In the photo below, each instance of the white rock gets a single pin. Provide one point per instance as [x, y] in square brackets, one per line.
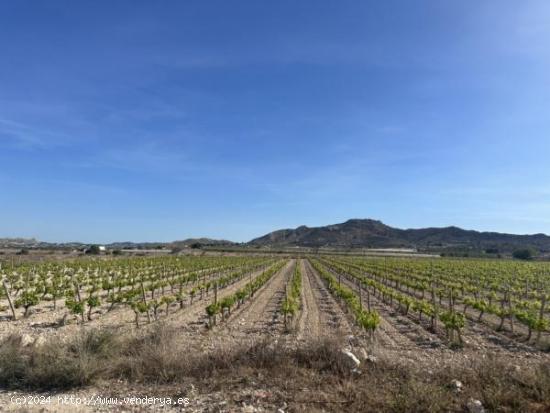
[354, 361]
[456, 386]
[475, 406]
[248, 408]
[26, 340]
[39, 341]
[371, 358]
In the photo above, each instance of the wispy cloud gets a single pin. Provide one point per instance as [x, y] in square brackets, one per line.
[143, 157]
[150, 156]
[26, 136]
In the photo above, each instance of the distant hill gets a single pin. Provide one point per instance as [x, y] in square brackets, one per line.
[17, 242]
[354, 233]
[375, 234]
[174, 244]
[209, 242]
[33, 243]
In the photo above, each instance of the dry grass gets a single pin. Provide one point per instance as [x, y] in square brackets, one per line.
[56, 365]
[311, 378]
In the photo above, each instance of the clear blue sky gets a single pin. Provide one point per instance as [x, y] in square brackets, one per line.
[142, 120]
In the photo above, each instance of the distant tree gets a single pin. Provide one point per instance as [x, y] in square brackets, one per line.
[24, 251]
[93, 250]
[117, 252]
[196, 245]
[523, 254]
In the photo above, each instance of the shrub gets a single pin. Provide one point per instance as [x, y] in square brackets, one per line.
[523, 254]
[93, 250]
[56, 366]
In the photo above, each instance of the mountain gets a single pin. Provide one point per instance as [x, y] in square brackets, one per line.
[354, 233]
[209, 242]
[375, 234]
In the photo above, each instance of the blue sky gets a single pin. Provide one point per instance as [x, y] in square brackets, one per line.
[139, 120]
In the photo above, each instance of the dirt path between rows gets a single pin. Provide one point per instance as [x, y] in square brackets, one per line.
[260, 316]
[308, 324]
[193, 319]
[323, 309]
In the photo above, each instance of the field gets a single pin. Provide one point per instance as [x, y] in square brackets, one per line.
[262, 333]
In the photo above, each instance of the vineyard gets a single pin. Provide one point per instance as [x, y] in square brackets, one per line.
[447, 297]
[90, 292]
[448, 300]
[432, 312]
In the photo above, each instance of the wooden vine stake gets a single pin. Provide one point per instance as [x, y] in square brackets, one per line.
[541, 315]
[9, 300]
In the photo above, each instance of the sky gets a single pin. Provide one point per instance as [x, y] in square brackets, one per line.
[158, 121]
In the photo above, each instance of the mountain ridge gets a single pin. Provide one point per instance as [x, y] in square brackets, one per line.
[353, 233]
[372, 233]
